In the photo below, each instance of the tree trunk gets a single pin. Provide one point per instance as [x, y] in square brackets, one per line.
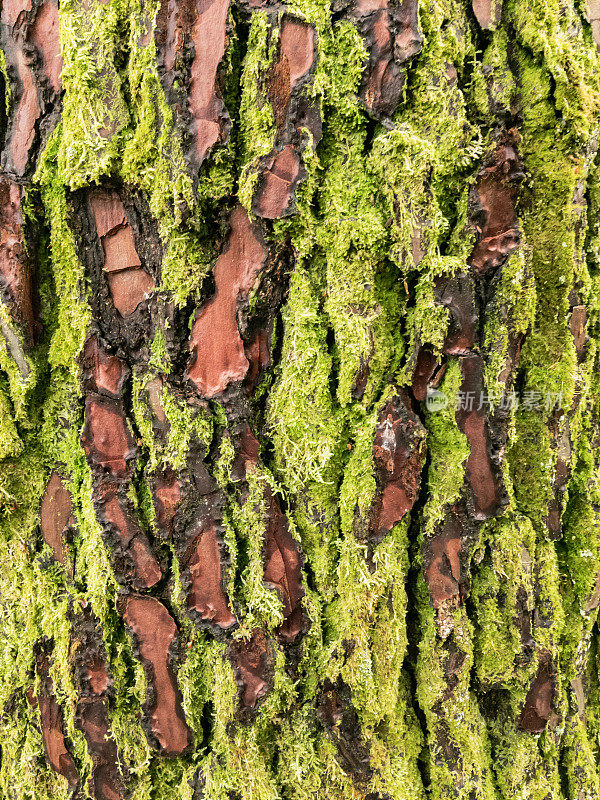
[299, 389]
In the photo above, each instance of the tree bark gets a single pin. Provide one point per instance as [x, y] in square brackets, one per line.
[299, 325]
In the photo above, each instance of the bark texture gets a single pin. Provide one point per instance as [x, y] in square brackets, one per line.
[299, 395]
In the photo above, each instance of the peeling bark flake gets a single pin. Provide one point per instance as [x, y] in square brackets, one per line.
[428, 373]
[92, 710]
[488, 496]
[399, 452]
[592, 15]
[281, 172]
[128, 282]
[253, 661]
[203, 560]
[167, 497]
[537, 710]
[155, 631]
[16, 270]
[392, 37]
[131, 543]
[577, 327]
[106, 438]
[217, 351]
[283, 569]
[56, 515]
[192, 38]
[487, 13]
[102, 372]
[339, 718]
[30, 40]
[457, 295]
[52, 723]
[45, 36]
[441, 562]
[493, 200]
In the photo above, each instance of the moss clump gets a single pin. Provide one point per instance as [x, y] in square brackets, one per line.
[305, 425]
[257, 122]
[448, 449]
[578, 761]
[94, 108]
[260, 606]
[531, 465]
[509, 317]
[10, 443]
[502, 592]
[459, 748]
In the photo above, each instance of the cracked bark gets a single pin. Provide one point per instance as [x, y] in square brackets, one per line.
[285, 508]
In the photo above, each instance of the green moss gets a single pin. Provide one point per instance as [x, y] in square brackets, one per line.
[257, 122]
[302, 416]
[578, 761]
[358, 487]
[94, 110]
[499, 81]
[19, 368]
[395, 750]
[10, 443]
[225, 460]
[306, 426]
[531, 465]
[459, 761]
[503, 589]
[580, 523]
[261, 606]
[174, 776]
[448, 449]
[510, 315]
[553, 33]
[370, 611]
[73, 315]
[519, 765]
[550, 223]
[185, 423]
[550, 619]
[355, 242]
[579, 558]
[159, 359]
[143, 420]
[436, 111]
[152, 155]
[6, 81]
[427, 321]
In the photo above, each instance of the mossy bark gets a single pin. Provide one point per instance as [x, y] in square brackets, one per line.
[299, 394]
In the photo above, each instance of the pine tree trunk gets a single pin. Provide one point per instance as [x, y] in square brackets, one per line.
[299, 394]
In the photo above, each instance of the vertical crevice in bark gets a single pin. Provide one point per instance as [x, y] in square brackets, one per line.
[123, 277]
